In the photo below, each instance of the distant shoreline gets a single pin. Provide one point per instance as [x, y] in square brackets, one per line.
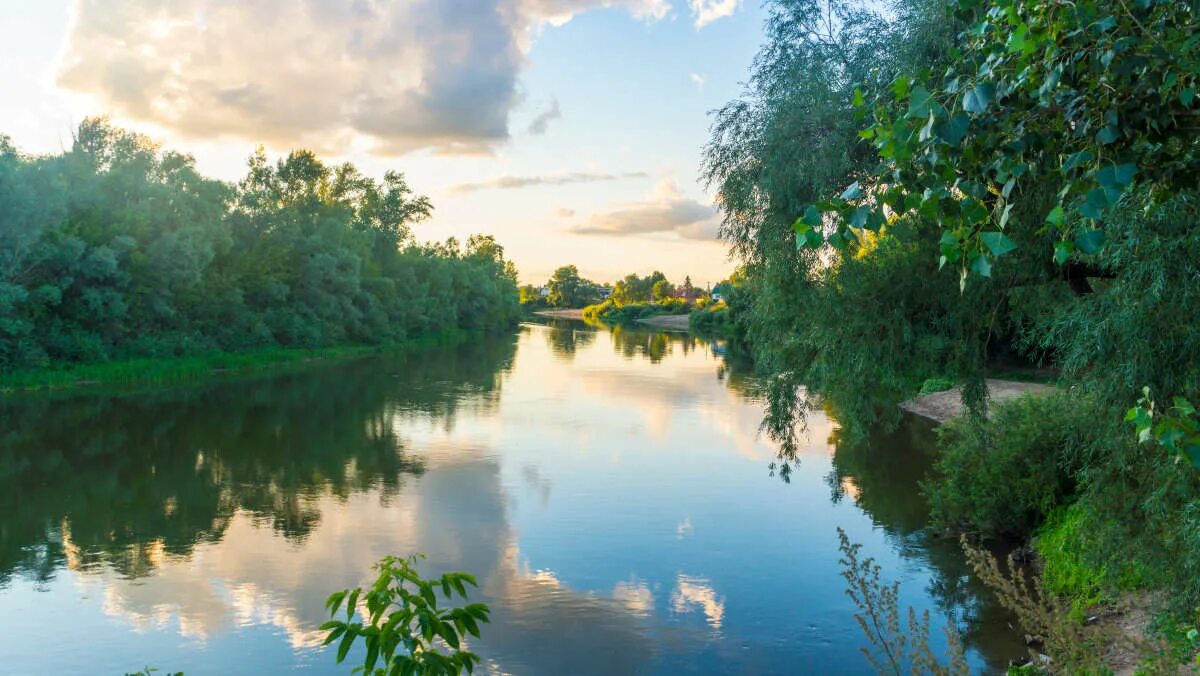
[168, 371]
[670, 322]
[561, 314]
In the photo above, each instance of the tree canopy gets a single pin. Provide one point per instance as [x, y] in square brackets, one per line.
[117, 248]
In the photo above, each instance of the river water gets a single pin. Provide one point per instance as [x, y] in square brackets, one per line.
[608, 489]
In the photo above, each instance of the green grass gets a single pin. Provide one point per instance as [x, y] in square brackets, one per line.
[1061, 542]
[166, 370]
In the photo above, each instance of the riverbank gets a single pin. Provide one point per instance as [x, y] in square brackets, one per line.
[941, 407]
[669, 322]
[561, 314]
[168, 370]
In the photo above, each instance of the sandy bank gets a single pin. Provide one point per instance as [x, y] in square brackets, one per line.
[560, 314]
[942, 406]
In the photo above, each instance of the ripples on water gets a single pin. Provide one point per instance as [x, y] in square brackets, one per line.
[608, 489]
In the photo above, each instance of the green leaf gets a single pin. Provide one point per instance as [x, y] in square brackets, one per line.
[979, 98]
[919, 103]
[1107, 135]
[1078, 159]
[1116, 177]
[1187, 95]
[997, 242]
[981, 265]
[857, 100]
[852, 192]
[1090, 241]
[858, 219]
[344, 646]
[812, 216]
[1056, 217]
[1063, 251]
[954, 129]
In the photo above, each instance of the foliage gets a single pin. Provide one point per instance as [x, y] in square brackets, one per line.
[712, 320]
[530, 296]
[1005, 474]
[893, 650]
[936, 384]
[1062, 543]
[404, 625]
[116, 249]
[569, 290]
[1029, 102]
[613, 313]
[635, 289]
[1073, 649]
[1175, 429]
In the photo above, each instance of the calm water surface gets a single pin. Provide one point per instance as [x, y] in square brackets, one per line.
[608, 489]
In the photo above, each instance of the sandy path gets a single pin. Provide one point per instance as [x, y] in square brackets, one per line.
[942, 406]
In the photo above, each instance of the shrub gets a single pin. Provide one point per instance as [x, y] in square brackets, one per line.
[936, 384]
[404, 625]
[1004, 475]
[611, 312]
[713, 321]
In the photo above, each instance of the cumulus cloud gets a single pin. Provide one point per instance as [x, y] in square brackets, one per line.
[513, 182]
[402, 74]
[543, 120]
[705, 12]
[666, 211]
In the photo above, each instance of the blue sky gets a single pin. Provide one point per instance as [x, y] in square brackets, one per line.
[570, 129]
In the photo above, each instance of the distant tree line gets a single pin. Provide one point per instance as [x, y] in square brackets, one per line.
[116, 248]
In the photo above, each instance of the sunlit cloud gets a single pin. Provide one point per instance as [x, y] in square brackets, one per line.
[635, 595]
[400, 75]
[514, 182]
[696, 593]
[565, 213]
[705, 12]
[698, 80]
[666, 211]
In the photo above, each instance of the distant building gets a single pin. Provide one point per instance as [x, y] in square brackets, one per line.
[604, 292]
[544, 291]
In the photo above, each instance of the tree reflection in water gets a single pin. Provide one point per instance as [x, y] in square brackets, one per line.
[121, 479]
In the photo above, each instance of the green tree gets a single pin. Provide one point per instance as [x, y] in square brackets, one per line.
[566, 288]
[661, 290]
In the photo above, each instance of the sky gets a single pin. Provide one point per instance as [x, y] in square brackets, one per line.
[572, 130]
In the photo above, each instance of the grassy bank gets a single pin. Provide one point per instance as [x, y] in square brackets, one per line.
[186, 368]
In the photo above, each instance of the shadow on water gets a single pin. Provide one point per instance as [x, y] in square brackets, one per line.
[881, 473]
[118, 480]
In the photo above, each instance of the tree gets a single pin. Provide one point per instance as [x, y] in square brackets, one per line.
[565, 288]
[661, 290]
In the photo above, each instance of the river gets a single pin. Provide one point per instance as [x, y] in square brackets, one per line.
[608, 489]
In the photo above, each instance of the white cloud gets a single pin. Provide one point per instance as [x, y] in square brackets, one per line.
[401, 74]
[665, 211]
[705, 12]
[698, 80]
[514, 182]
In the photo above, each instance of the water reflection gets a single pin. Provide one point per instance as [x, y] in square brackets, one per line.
[607, 488]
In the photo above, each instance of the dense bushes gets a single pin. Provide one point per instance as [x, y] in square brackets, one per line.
[116, 249]
[712, 320]
[1005, 474]
[610, 312]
